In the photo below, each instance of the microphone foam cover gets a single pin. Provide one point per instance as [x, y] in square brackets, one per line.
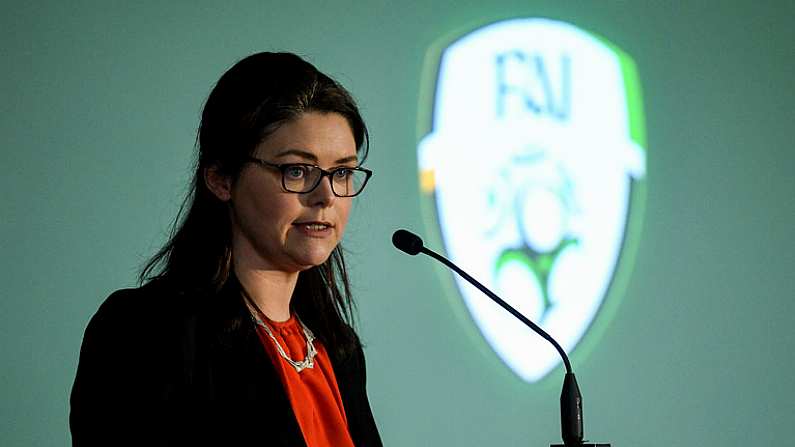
[407, 241]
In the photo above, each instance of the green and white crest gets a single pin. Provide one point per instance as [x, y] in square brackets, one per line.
[532, 172]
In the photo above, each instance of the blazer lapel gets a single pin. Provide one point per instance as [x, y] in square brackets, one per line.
[245, 400]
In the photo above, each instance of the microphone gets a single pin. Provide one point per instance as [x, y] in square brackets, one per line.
[571, 422]
[407, 241]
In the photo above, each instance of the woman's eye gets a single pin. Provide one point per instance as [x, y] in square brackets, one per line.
[295, 172]
[342, 173]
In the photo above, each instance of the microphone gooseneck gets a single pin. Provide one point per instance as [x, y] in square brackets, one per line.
[570, 398]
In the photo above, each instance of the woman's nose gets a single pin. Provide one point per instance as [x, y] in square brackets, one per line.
[323, 194]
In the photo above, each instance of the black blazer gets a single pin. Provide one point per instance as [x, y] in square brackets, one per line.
[165, 368]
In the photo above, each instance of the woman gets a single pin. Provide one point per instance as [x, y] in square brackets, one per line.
[240, 334]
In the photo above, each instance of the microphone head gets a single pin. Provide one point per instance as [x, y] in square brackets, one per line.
[407, 241]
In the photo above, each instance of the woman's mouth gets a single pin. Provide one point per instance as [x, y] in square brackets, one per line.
[315, 228]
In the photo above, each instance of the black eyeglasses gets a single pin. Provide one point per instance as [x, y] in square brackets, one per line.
[302, 178]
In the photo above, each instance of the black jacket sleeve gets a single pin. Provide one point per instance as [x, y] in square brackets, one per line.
[367, 432]
[100, 414]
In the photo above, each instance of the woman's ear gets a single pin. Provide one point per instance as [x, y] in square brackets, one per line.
[219, 184]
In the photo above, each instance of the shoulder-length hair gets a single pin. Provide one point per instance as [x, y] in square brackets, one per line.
[250, 101]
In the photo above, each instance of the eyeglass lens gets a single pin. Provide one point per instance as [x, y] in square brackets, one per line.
[304, 178]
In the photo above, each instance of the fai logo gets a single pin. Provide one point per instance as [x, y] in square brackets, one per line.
[531, 164]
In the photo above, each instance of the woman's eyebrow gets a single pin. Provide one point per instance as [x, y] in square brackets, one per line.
[352, 158]
[312, 157]
[299, 153]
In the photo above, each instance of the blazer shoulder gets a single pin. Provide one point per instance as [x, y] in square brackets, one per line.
[154, 294]
[134, 309]
[123, 365]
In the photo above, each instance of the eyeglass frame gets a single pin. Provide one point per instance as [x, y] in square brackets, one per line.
[282, 167]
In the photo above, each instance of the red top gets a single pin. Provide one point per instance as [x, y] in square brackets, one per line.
[313, 392]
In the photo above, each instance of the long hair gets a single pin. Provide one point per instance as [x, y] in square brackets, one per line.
[250, 101]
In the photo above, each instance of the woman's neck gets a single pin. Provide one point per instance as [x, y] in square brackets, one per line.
[271, 290]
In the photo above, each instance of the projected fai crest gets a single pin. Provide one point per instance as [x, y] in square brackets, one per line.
[532, 167]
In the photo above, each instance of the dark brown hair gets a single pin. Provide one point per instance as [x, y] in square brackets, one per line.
[250, 101]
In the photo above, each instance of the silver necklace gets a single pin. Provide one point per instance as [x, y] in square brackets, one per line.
[311, 352]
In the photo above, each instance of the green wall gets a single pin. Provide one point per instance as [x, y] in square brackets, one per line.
[100, 102]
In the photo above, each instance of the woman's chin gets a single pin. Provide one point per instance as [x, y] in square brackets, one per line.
[307, 260]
